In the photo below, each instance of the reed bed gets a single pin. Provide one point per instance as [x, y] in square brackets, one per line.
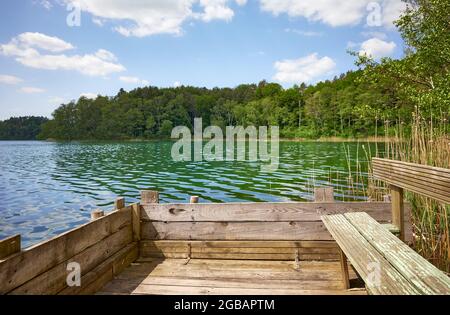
[426, 142]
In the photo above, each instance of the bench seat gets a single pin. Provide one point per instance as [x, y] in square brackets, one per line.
[401, 270]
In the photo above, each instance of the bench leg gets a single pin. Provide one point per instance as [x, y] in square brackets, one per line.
[344, 269]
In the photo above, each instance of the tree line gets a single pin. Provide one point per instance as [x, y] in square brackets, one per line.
[342, 107]
[21, 128]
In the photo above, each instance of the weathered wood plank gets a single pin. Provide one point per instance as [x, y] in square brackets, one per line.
[253, 250]
[231, 275]
[54, 280]
[260, 212]
[103, 273]
[413, 186]
[9, 246]
[37, 259]
[428, 181]
[242, 244]
[426, 278]
[136, 221]
[234, 231]
[367, 260]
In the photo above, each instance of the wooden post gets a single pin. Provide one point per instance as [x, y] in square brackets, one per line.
[97, 214]
[344, 270]
[325, 194]
[149, 196]
[136, 221]
[9, 246]
[194, 199]
[119, 203]
[398, 210]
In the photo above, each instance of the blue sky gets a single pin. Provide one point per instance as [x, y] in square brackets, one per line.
[44, 61]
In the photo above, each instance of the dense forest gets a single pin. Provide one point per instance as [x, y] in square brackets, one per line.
[21, 128]
[341, 107]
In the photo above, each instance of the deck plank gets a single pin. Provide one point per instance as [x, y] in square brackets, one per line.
[366, 258]
[229, 277]
[426, 277]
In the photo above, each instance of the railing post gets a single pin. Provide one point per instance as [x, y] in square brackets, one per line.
[97, 214]
[119, 203]
[9, 246]
[325, 194]
[149, 196]
[398, 210]
[194, 199]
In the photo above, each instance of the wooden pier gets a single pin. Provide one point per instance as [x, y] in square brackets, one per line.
[204, 248]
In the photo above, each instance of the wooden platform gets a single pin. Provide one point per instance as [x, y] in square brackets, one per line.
[230, 277]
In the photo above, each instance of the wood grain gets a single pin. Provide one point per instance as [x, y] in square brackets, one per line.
[24, 266]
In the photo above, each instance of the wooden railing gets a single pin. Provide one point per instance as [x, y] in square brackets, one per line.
[431, 182]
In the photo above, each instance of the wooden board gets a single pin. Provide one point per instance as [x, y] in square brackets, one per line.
[54, 280]
[234, 231]
[9, 246]
[367, 260]
[422, 274]
[103, 273]
[232, 277]
[432, 182]
[282, 250]
[260, 212]
[35, 260]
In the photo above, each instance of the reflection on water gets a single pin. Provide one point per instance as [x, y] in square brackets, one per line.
[48, 188]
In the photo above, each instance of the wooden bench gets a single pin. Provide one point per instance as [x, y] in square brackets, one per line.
[384, 262]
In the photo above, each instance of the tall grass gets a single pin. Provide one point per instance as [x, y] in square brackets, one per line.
[428, 143]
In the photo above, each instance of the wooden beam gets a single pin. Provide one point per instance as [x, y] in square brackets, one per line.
[119, 203]
[9, 246]
[35, 260]
[398, 210]
[149, 197]
[325, 194]
[261, 212]
[136, 221]
[344, 270]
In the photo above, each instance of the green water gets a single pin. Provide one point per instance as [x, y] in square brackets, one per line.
[47, 188]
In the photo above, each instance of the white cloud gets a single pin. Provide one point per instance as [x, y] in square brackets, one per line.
[333, 12]
[41, 41]
[133, 80]
[26, 47]
[157, 16]
[377, 48]
[9, 79]
[303, 33]
[305, 69]
[91, 96]
[31, 90]
[177, 84]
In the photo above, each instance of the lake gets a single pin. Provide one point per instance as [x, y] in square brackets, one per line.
[47, 188]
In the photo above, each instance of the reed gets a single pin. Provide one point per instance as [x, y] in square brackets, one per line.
[426, 142]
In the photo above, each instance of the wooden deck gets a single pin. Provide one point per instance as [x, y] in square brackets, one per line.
[231, 277]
